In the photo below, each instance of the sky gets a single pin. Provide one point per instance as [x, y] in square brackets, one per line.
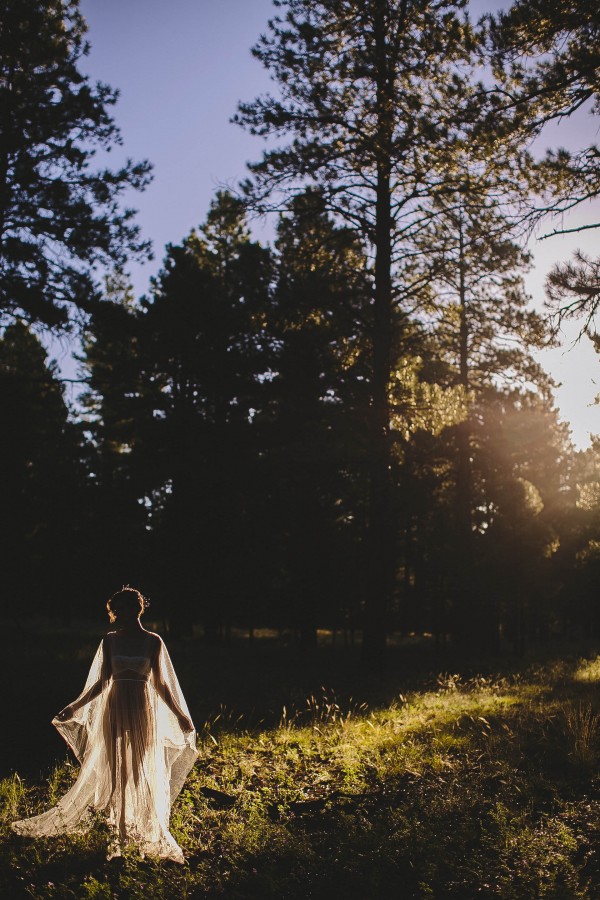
[181, 69]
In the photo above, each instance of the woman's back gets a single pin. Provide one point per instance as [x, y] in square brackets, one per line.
[131, 731]
[132, 654]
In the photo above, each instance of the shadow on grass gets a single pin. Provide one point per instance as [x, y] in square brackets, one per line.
[412, 785]
[504, 805]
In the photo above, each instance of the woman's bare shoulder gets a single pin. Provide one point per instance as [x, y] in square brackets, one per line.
[155, 643]
[155, 638]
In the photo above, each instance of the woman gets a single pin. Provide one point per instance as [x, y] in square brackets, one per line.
[131, 731]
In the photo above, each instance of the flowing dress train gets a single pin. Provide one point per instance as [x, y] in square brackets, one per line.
[133, 752]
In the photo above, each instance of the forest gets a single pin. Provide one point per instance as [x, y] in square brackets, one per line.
[341, 439]
[346, 429]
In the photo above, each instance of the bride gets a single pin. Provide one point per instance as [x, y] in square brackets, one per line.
[131, 731]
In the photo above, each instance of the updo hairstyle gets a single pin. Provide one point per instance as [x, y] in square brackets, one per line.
[127, 600]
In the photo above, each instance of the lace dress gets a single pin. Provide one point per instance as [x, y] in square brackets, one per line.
[133, 752]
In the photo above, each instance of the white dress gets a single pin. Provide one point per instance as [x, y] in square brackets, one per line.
[133, 752]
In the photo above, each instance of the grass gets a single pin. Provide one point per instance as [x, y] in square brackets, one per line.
[486, 786]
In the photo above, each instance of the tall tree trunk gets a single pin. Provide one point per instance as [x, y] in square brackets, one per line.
[380, 533]
[464, 558]
[464, 474]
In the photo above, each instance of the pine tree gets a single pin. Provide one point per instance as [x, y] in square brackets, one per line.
[547, 58]
[41, 480]
[203, 338]
[483, 328]
[368, 99]
[521, 470]
[117, 418]
[315, 446]
[174, 384]
[59, 217]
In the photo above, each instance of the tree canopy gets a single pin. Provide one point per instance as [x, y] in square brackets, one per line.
[347, 429]
[547, 60]
[61, 216]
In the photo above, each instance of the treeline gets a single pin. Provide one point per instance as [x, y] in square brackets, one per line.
[347, 429]
[221, 458]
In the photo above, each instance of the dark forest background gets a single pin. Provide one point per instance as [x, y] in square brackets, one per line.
[346, 429]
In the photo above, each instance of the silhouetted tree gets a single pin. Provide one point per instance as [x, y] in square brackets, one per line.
[40, 480]
[521, 470]
[117, 416]
[521, 465]
[175, 385]
[575, 561]
[59, 217]
[369, 93]
[547, 60]
[484, 331]
[319, 406]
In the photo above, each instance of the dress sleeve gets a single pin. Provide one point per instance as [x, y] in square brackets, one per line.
[76, 731]
[179, 746]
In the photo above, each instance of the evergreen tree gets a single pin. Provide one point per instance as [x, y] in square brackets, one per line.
[547, 59]
[40, 480]
[575, 560]
[117, 416]
[368, 97]
[521, 470]
[316, 444]
[59, 217]
[175, 382]
[483, 329]
[521, 464]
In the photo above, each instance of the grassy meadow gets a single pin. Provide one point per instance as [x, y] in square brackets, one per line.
[412, 786]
